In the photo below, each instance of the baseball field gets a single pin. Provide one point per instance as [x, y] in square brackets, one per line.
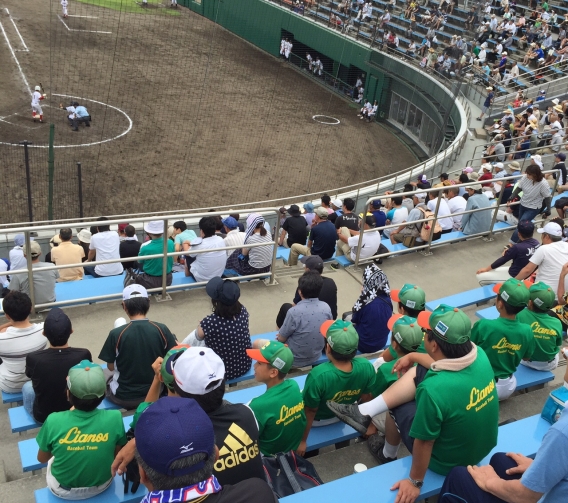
[184, 114]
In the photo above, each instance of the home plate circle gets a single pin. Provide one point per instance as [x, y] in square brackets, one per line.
[326, 119]
[127, 129]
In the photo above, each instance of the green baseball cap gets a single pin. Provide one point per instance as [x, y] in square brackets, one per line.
[449, 323]
[406, 331]
[542, 296]
[514, 292]
[86, 380]
[341, 336]
[411, 296]
[166, 370]
[274, 353]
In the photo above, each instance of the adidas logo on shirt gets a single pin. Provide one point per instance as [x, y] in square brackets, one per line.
[237, 448]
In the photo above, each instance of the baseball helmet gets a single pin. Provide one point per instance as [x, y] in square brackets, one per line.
[37, 88]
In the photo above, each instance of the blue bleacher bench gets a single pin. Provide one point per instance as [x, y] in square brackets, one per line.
[489, 313]
[114, 494]
[20, 420]
[12, 397]
[524, 436]
[464, 299]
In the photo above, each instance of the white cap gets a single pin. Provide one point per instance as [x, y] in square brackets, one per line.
[198, 371]
[37, 88]
[499, 165]
[338, 203]
[154, 227]
[133, 291]
[84, 235]
[421, 196]
[552, 229]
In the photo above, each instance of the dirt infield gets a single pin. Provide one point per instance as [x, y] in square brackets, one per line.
[214, 120]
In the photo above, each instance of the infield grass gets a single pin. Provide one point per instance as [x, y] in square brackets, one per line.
[156, 7]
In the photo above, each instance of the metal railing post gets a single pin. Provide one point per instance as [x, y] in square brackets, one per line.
[28, 178]
[272, 280]
[495, 213]
[80, 182]
[31, 288]
[428, 249]
[164, 296]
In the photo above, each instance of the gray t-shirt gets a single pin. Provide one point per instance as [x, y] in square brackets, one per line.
[301, 329]
[44, 283]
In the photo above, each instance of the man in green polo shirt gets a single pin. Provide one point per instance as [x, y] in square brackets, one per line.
[344, 379]
[506, 340]
[435, 410]
[547, 330]
[153, 268]
[407, 336]
[279, 411]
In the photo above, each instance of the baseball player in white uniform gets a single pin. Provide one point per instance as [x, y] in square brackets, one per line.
[318, 67]
[64, 4]
[287, 49]
[310, 61]
[282, 47]
[174, 4]
[36, 108]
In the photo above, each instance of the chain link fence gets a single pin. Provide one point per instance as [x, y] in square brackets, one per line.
[31, 192]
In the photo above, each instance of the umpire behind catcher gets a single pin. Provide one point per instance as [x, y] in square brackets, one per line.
[80, 115]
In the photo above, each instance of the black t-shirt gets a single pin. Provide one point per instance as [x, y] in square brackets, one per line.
[562, 168]
[48, 371]
[323, 237]
[247, 491]
[129, 248]
[236, 435]
[328, 294]
[297, 229]
[348, 220]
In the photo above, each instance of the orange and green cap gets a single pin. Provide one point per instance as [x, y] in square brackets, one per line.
[542, 296]
[448, 323]
[86, 380]
[341, 336]
[274, 353]
[166, 369]
[406, 331]
[411, 296]
[514, 292]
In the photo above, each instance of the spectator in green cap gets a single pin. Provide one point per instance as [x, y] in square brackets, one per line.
[435, 408]
[79, 445]
[279, 411]
[411, 300]
[407, 337]
[344, 379]
[506, 340]
[546, 329]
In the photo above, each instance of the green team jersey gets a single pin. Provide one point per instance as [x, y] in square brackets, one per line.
[281, 418]
[326, 382]
[506, 343]
[384, 378]
[82, 444]
[547, 333]
[450, 406]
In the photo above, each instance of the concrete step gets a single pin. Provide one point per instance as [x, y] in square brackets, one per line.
[22, 490]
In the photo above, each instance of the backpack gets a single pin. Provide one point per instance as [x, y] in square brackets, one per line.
[426, 230]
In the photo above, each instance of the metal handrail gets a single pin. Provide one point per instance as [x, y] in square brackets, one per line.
[427, 246]
[479, 159]
[27, 230]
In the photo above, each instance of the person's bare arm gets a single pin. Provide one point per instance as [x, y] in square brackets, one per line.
[526, 271]
[154, 392]
[43, 457]
[91, 255]
[561, 281]
[123, 457]
[310, 416]
[404, 363]
[421, 454]
[512, 491]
